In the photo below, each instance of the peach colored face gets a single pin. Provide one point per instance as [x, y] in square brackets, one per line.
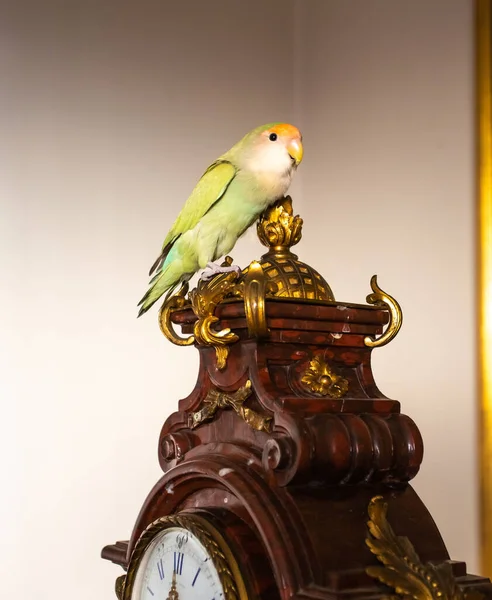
[287, 136]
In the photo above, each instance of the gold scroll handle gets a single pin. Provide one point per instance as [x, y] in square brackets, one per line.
[381, 298]
[172, 303]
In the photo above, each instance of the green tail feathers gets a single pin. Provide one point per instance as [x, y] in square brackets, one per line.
[160, 284]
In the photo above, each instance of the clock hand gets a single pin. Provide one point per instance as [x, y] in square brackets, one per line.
[173, 592]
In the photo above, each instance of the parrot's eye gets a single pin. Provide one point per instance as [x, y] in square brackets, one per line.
[272, 137]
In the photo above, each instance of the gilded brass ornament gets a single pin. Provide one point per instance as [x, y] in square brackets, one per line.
[215, 400]
[322, 380]
[215, 545]
[277, 226]
[403, 570]
[254, 291]
[172, 303]
[381, 298]
[204, 300]
[288, 277]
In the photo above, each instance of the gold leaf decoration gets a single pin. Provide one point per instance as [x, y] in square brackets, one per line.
[323, 380]
[403, 570]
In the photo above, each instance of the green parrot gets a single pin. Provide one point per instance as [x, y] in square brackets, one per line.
[229, 198]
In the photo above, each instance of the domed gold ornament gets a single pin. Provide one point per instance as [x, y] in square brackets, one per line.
[279, 230]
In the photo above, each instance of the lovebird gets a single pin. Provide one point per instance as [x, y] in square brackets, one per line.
[226, 201]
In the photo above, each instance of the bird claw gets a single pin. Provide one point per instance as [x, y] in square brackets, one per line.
[214, 269]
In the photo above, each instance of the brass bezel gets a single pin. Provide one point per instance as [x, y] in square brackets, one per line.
[211, 539]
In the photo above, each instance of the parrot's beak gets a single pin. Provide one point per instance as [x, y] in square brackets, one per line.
[295, 150]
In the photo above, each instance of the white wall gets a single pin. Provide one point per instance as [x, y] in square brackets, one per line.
[109, 112]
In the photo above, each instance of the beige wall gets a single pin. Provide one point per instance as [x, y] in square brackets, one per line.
[388, 183]
[109, 112]
[113, 110]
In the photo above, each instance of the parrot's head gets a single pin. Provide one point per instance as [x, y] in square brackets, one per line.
[276, 148]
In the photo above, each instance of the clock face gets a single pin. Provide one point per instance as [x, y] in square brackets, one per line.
[177, 566]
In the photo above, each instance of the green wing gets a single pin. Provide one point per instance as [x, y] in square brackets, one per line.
[209, 190]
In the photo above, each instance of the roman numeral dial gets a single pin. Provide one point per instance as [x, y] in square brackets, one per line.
[177, 566]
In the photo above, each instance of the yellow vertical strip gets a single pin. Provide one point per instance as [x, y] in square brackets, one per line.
[483, 32]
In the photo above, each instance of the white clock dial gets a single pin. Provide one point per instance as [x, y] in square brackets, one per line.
[176, 566]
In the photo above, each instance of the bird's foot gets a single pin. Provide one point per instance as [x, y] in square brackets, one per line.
[214, 269]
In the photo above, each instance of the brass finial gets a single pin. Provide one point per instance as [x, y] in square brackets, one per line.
[278, 228]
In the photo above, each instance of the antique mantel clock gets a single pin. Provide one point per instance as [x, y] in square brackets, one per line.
[286, 470]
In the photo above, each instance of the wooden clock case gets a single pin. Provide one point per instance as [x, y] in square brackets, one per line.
[285, 445]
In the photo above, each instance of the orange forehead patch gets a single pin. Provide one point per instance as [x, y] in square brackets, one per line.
[285, 130]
